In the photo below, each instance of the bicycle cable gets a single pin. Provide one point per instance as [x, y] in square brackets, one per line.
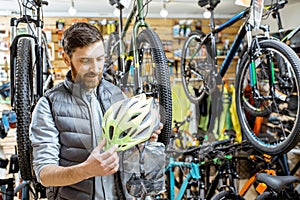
[145, 4]
[20, 7]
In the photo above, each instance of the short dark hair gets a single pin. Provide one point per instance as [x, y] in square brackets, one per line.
[79, 35]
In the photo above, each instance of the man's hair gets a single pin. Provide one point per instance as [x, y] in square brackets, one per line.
[79, 35]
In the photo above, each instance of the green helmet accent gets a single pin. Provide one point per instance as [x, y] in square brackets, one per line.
[130, 121]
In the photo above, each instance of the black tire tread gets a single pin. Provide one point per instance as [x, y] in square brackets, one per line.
[22, 107]
[162, 76]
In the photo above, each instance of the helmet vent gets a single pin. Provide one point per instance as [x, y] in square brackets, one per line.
[111, 132]
[124, 133]
[134, 116]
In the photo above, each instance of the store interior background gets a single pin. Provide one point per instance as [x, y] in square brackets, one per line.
[101, 12]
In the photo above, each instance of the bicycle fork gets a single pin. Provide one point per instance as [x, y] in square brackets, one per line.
[255, 50]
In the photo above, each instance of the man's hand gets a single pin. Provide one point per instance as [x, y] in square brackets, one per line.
[97, 164]
[102, 164]
[155, 134]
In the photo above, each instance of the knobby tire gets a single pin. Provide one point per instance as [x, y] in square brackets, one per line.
[23, 106]
[158, 79]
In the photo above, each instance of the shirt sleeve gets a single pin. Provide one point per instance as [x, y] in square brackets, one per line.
[44, 137]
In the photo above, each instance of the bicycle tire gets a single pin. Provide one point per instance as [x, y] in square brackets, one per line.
[155, 77]
[194, 73]
[23, 95]
[272, 139]
[226, 194]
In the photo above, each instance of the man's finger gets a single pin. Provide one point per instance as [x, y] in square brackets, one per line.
[113, 148]
[101, 144]
[161, 125]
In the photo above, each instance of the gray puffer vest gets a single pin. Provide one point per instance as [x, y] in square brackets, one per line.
[71, 116]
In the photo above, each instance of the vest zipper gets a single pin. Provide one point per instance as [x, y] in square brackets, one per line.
[89, 97]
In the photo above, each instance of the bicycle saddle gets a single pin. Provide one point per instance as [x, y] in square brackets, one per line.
[276, 182]
[113, 2]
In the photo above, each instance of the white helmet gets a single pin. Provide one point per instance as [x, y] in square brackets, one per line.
[130, 121]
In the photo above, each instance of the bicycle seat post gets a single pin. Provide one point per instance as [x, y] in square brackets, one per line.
[120, 7]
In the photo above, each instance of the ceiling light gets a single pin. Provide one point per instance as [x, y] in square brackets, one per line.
[164, 12]
[206, 14]
[72, 11]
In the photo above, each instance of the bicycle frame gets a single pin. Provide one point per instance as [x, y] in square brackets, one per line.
[133, 52]
[245, 30]
[276, 14]
[193, 173]
[198, 172]
[236, 43]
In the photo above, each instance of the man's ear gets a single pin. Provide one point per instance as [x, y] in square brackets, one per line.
[67, 59]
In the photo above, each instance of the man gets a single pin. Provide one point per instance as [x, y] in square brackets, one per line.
[66, 124]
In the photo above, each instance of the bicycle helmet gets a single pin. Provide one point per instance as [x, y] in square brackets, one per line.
[130, 121]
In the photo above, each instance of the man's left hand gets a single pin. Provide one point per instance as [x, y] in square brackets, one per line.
[155, 134]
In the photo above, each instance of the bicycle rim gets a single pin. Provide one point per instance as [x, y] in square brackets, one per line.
[196, 67]
[154, 75]
[270, 121]
[23, 106]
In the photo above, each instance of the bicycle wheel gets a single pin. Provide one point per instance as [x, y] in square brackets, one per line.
[227, 194]
[196, 67]
[153, 72]
[23, 99]
[271, 109]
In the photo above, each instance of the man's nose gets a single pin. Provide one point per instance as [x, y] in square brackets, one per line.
[95, 66]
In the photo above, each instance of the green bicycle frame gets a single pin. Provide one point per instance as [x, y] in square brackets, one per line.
[138, 11]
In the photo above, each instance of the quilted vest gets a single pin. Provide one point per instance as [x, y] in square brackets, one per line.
[71, 115]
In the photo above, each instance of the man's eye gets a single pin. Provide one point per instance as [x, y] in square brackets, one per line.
[85, 60]
[99, 59]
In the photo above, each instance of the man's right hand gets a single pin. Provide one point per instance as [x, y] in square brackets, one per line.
[97, 164]
[102, 163]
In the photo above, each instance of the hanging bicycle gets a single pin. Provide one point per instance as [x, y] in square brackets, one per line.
[263, 92]
[31, 75]
[146, 54]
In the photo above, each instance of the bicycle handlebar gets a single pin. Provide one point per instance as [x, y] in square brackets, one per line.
[245, 145]
[204, 148]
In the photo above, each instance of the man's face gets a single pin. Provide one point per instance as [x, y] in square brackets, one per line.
[87, 65]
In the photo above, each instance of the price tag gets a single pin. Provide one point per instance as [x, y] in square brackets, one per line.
[256, 13]
[245, 3]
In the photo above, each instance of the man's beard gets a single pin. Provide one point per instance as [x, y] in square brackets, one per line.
[81, 78]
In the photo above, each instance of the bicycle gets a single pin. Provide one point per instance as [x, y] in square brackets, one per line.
[262, 91]
[273, 9]
[272, 187]
[8, 187]
[31, 75]
[195, 183]
[181, 138]
[275, 166]
[146, 55]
